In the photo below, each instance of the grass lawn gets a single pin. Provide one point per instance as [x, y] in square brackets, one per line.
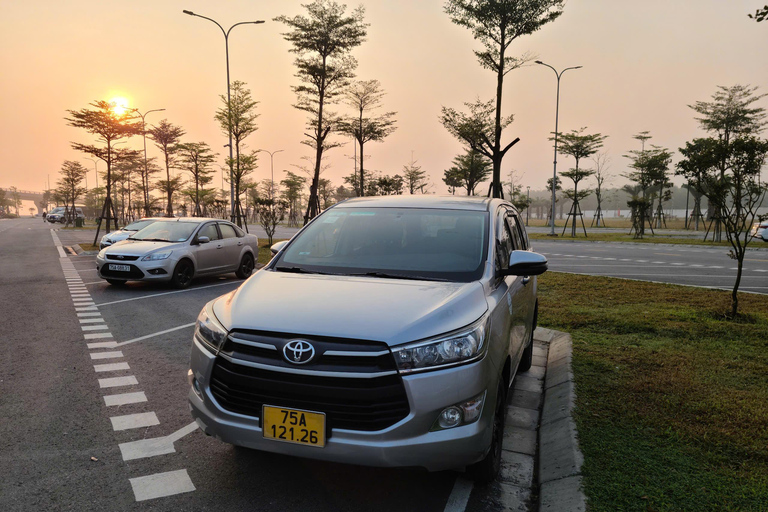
[672, 407]
[264, 254]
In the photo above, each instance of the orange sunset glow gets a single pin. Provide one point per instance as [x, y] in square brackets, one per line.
[643, 64]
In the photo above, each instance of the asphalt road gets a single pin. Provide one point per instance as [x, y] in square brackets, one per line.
[709, 267]
[76, 413]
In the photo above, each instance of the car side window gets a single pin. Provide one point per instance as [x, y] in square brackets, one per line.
[503, 243]
[227, 231]
[210, 231]
[514, 229]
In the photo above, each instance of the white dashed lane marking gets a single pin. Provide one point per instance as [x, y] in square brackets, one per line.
[138, 420]
[161, 484]
[125, 398]
[144, 487]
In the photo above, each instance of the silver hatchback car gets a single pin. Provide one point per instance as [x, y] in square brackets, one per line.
[177, 250]
[386, 333]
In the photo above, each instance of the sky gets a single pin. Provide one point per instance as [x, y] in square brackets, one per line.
[643, 64]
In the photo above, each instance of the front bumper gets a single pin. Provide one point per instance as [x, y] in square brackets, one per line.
[158, 270]
[407, 443]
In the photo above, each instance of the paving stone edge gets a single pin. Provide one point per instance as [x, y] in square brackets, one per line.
[560, 459]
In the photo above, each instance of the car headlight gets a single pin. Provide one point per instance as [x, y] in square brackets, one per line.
[462, 346]
[102, 253]
[209, 331]
[157, 256]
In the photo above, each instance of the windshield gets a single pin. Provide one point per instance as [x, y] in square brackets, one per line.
[139, 224]
[58, 209]
[405, 243]
[166, 231]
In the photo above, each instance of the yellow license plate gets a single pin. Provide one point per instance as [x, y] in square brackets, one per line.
[293, 426]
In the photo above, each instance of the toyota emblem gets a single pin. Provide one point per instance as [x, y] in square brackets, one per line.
[298, 352]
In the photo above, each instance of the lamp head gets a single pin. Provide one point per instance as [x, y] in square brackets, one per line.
[538, 62]
[188, 12]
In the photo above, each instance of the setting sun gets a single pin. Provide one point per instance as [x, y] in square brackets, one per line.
[119, 105]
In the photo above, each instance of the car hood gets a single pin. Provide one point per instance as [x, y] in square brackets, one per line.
[119, 234]
[139, 248]
[389, 310]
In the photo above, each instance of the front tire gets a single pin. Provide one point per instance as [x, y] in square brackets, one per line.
[182, 274]
[487, 470]
[245, 269]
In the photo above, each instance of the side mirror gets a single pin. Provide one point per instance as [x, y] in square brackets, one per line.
[203, 239]
[525, 263]
[277, 247]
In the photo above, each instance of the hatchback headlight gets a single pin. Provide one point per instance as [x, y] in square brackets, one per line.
[157, 256]
[209, 331]
[462, 346]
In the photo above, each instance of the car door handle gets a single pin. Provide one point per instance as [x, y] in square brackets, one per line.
[219, 246]
[526, 279]
[239, 244]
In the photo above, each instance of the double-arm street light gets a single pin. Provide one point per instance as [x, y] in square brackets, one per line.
[229, 102]
[145, 184]
[557, 112]
[272, 169]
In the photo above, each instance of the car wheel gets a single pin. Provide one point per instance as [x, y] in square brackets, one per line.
[116, 282]
[527, 359]
[246, 267]
[487, 470]
[182, 274]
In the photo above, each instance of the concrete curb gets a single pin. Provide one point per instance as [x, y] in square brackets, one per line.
[560, 459]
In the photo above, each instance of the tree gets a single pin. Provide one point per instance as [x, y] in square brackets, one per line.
[72, 176]
[730, 114]
[415, 179]
[650, 169]
[578, 145]
[323, 41]
[602, 162]
[760, 14]
[736, 194]
[365, 96]
[325, 191]
[496, 24]
[109, 127]
[238, 117]
[196, 157]
[469, 170]
[15, 199]
[293, 183]
[269, 208]
[389, 185]
[146, 172]
[166, 137]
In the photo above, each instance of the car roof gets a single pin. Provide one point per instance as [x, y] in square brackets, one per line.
[188, 219]
[446, 202]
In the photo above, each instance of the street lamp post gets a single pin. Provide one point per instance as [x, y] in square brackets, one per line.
[557, 113]
[272, 170]
[145, 178]
[528, 208]
[95, 169]
[229, 102]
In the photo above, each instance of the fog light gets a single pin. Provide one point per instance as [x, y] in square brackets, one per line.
[450, 417]
[195, 385]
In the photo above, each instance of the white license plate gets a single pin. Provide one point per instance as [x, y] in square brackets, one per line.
[120, 268]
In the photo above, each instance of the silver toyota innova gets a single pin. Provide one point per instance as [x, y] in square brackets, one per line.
[385, 333]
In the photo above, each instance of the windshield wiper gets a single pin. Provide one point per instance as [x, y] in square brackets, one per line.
[296, 270]
[151, 239]
[398, 276]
